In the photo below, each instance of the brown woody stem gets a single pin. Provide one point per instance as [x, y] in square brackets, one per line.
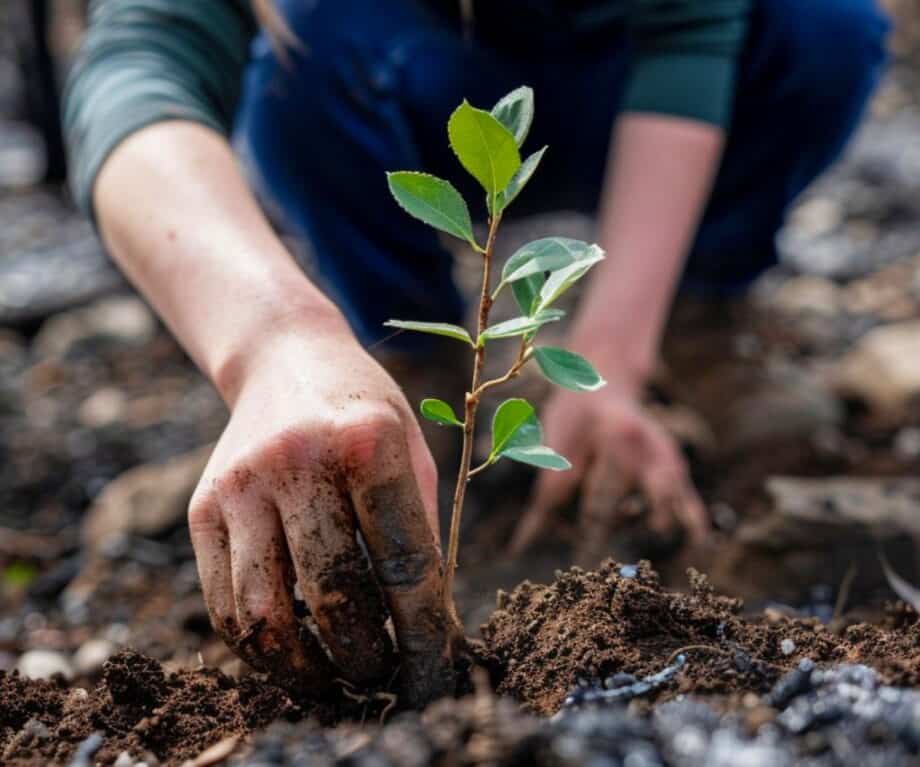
[469, 420]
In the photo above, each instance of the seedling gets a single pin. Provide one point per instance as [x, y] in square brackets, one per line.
[487, 144]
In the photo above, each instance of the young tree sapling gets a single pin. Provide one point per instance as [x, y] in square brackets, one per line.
[487, 144]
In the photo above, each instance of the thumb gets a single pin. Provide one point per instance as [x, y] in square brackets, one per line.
[552, 490]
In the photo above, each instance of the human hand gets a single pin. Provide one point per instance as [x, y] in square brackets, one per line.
[321, 446]
[615, 447]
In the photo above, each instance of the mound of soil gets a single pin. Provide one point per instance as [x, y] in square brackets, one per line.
[137, 707]
[586, 628]
[618, 620]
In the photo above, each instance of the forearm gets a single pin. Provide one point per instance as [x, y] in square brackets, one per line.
[659, 175]
[178, 217]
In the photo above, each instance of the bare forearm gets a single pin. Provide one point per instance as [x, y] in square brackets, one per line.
[179, 219]
[659, 175]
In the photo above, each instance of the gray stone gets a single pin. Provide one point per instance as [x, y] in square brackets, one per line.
[92, 654]
[44, 664]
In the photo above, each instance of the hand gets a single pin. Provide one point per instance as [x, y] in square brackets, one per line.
[614, 447]
[321, 445]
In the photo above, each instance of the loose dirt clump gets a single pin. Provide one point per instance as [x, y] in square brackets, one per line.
[589, 626]
[137, 707]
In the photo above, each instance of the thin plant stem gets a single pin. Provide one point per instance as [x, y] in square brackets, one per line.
[523, 356]
[471, 406]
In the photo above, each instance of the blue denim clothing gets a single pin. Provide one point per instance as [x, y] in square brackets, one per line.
[375, 83]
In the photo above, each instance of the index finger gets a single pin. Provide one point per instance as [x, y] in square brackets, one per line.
[402, 546]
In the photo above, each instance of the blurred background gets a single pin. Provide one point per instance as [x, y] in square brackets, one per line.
[800, 407]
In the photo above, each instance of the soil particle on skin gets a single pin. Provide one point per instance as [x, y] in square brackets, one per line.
[618, 620]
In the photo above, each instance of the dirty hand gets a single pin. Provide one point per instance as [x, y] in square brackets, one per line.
[321, 446]
[615, 447]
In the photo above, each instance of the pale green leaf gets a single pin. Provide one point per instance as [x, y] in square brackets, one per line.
[510, 417]
[544, 255]
[520, 326]
[526, 292]
[515, 112]
[561, 280]
[540, 456]
[440, 412]
[530, 433]
[435, 328]
[485, 148]
[434, 201]
[567, 369]
[519, 180]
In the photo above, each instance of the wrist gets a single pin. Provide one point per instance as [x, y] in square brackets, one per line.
[626, 369]
[282, 315]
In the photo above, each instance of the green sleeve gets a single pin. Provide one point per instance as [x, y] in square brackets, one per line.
[686, 57]
[144, 61]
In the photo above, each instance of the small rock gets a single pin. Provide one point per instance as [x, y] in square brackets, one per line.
[215, 754]
[44, 664]
[36, 729]
[882, 369]
[103, 407]
[789, 403]
[145, 501]
[124, 319]
[124, 760]
[817, 217]
[86, 750]
[808, 295]
[92, 654]
[787, 646]
[907, 443]
[883, 504]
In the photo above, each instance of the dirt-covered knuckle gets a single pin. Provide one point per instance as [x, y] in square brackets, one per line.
[362, 433]
[427, 471]
[407, 569]
[222, 617]
[287, 453]
[255, 604]
[204, 516]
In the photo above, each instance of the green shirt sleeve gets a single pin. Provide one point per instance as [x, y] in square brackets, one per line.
[686, 57]
[145, 61]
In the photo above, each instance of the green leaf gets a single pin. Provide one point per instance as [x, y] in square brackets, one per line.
[439, 411]
[569, 370]
[546, 255]
[520, 326]
[541, 456]
[561, 280]
[435, 328]
[519, 180]
[527, 291]
[515, 112]
[434, 201]
[528, 435]
[511, 416]
[485, 148]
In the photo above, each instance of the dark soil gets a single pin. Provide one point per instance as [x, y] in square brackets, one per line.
[137, 707]
[618, 619]
[542, 642]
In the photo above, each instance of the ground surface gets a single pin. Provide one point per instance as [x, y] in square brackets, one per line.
[800, 409]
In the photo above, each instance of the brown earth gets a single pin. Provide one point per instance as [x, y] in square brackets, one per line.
[591, 625]
[138, 707]
[539, 643]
